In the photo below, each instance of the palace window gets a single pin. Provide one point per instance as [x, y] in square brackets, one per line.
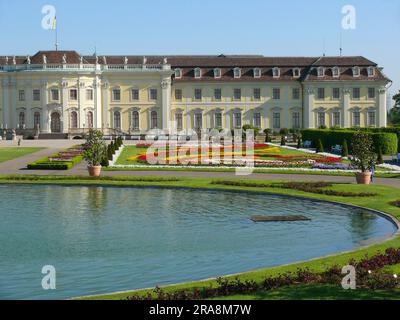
[178, 94]
[296, 120]
[256, 93]
[135, 94]
[178, 73]
[197, 94]
[356, 118]
[89, 94]
[336, 72]
[356, 71]
[237, 120]
[336, 93]
[296, 72]
[276, 93]
[237, 94]
[371, 71]
[117, 120]
[153, 94]
[257, 72]
[321, 71]
[135, 120]
[197, 73]
[89, 119]
[179, 121]
[73, 94]
[154, 120]
[276, 73]
[321, 93]
[116, 94]
[218, 120]
[371, 118]
[21, 95]
[198, 121]
[257, 120]
[36, 95]
[237, 73]
[371, 93]
[55, 94]
[36, 120]
[73, 120]
[336, 119]
[276, 120]
[217, 73]
[356, 93]
[321, 119]
[217, 94]
[21, 120]
[296, 93]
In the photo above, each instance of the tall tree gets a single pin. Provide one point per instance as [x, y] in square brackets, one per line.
[394, 114]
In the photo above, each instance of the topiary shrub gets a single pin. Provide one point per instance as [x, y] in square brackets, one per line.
[283, 141]
[379, 159]
[320, 146]
[345, 149]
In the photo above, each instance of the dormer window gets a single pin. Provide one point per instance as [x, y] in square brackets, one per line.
[217, 73]
[257, 73]
[296, 72]
[237, 73]
[276, 72]
[197, 73]
[335, 72]
[371, 71]
[321, 72]
[356, 71]
[178, 73]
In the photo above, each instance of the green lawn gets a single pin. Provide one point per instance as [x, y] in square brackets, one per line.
[319, 292]
[9, 153]
[384, 195]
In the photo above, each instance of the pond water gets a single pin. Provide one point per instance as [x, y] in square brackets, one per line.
[105, 239]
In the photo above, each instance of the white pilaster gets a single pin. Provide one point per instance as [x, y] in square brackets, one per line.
[65, 98]
[81, 105]
[346, 107]
[227, 120]
[308, 108]
[13, 89]
[97, 121]
[382, 108]
[106, 112]
[166, 103]
[29, 99]
[5, 104]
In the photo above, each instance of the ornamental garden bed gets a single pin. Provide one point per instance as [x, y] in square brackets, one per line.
[62, 160]
[265, 156]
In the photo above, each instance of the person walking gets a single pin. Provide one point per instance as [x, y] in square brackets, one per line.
[372, 172]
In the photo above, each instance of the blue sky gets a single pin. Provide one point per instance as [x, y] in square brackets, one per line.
[272, 28]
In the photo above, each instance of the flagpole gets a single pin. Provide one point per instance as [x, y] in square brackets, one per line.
[55, 30]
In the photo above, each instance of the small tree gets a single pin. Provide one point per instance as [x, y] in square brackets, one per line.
[345, 149]
[283, 141]
[320, 147]
[299, 143]
[363, 156]
[267, 135]
[95, 148]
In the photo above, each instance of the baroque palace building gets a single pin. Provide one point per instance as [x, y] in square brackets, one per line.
[65, 92]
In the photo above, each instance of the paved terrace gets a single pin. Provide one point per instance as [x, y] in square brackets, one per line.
[18, 166]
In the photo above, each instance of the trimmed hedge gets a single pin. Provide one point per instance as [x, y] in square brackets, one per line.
[46, 164]
[388, 141]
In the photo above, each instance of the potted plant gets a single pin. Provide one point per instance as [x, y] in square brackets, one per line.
[94, 152]
[362, 156]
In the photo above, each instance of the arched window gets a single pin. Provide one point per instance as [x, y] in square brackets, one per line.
[135, 120]
[36, 120]
[154, 120]
[117, 120]
[90, 119]
[74, 120]
[21, 120]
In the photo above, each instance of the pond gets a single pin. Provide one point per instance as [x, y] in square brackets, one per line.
[105, 239]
